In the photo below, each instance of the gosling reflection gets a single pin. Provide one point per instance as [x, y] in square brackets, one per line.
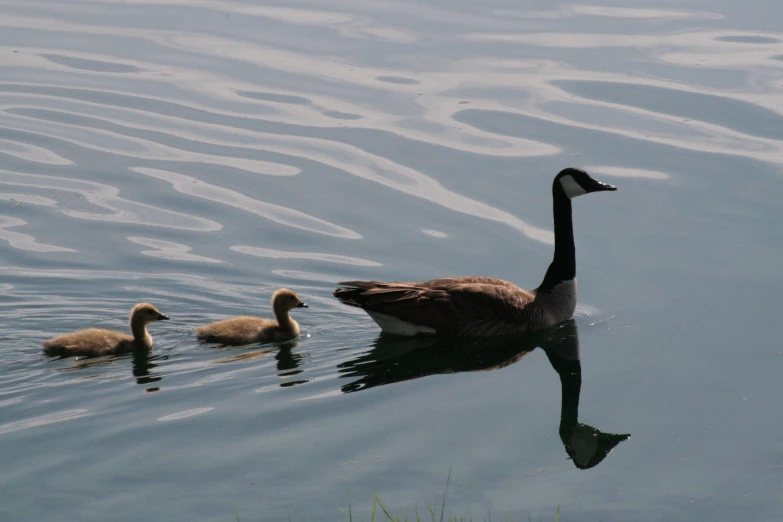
[288, 364]
[288, 361]
[394, 359]
[143, 364]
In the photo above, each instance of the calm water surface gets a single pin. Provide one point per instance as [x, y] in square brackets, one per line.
[199, 154]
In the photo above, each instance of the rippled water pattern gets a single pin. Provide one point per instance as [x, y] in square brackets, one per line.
[198, 154]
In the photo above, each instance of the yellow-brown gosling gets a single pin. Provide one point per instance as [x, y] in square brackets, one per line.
[248, 330]
[94, 342]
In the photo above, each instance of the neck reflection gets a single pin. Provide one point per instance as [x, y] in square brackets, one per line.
[587, 446]
[288, 361]
[143, 365]
[395, 359]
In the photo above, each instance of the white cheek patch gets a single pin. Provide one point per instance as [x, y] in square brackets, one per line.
[571, 187]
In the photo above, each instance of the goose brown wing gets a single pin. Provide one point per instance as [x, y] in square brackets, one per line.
[456, 306]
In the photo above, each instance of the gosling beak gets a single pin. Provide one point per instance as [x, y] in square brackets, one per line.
[302, 304]
[163, 317]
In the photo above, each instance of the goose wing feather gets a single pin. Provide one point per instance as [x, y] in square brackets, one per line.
[455, 306]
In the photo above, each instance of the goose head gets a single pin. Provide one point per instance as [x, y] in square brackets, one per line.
[286, 300]
[145, 313]
[576, 182]
[588, 446]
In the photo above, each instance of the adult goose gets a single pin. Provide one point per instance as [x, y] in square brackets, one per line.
[483, 306]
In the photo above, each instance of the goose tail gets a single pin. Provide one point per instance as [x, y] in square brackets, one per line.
[352, 294]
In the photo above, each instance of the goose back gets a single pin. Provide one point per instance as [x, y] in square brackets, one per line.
[460, 306]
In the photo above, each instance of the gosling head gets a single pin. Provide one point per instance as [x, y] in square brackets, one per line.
[576, 182]
[286, 299]
[145, 313]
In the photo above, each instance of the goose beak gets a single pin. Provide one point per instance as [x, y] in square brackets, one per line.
[302, 305]
[163, 317]
[599, 186]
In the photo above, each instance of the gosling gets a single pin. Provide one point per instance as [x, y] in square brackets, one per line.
[94, 342]
[238, 331]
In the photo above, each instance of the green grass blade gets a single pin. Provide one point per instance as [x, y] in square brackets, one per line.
[445, 493]
[383, 508]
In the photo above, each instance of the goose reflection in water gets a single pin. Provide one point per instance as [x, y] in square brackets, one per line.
[142, 366]
[288, 364]
[143, 363]
[288, 361]
[395, 359]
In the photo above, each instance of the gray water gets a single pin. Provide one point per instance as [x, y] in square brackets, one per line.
[199, 154]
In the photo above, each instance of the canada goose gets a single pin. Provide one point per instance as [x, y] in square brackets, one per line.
[247, 330]
[94, 342]
[483, 306]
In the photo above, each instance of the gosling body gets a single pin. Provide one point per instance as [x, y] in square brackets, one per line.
[94, 342]
[483, 306]
[238, 331]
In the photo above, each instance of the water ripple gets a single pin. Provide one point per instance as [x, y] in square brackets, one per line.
[276, 213]
[106, 197]
[185, 414]
[625, 172]
[170, 250]
[99, 134]
[610, 12]
[86, 64]
[282, 254]
[24, 241]
[433, 125]
[43, 420]
[32, 153]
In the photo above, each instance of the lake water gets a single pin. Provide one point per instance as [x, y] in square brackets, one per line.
[199, 154]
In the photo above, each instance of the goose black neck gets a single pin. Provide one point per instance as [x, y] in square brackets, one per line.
[571, 386]
[563, 266]
[570, 373]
